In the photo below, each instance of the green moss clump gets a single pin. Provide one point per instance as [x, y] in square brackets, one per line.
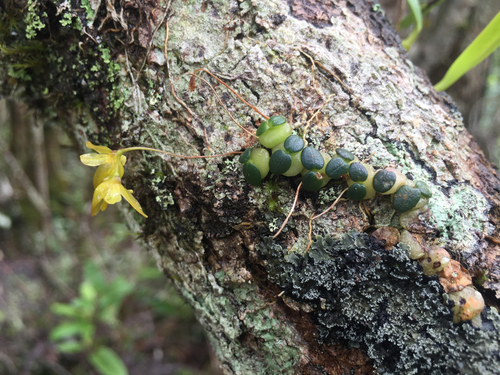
[364, 296]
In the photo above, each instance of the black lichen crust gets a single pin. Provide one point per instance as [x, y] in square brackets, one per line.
[380, 300]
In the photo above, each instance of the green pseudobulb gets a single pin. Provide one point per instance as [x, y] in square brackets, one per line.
[255, 165]
[274, 131]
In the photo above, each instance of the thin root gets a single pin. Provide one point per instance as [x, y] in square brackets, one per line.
[338, 80]
[309, 235]
[166, 40]
[222, 104]
[291, 211]
[313, 64]
[180, 101]
[180, 156]
[318, 216]
[308, 123]
[206, 139]
[230, 89]
[369, 157]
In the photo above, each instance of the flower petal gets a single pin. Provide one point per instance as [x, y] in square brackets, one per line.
[114, 193]
[104, 171]
[130, 199]
[104, 205]
[93, 160]
[99, 149]
[99, 194]
[107, 170]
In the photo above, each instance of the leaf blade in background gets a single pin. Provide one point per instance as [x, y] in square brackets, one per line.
[417, 15]
[64, 309]
[71, 346]
[71, 329]
[480, 48]
[425, 9]
[107, 362]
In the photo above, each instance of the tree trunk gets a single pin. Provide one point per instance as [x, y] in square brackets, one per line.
[348, 305]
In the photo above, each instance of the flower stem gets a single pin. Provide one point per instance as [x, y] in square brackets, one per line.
[123, 150]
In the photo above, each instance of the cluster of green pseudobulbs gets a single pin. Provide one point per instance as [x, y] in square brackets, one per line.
[290, 157]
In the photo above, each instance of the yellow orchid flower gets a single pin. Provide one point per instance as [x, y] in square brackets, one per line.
[108, 176]
[111, 191]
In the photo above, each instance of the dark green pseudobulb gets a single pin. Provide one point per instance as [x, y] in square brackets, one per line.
[294, 144]
[383, 181]
[406, 198]
[358, 172]
[336, 168]
[356, 192]
[312, 181]
[387, 181]
[255, 165]
[424, 189]
[312, 159]
[344, 154]
[273, 131]
[286, 157]
[252, 174]
[280, 162]
[245, 156]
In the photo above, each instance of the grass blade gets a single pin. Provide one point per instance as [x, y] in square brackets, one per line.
[480, 48]
[417, 15]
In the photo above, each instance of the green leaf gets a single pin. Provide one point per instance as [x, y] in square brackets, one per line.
[107, 362]
[480, 48]
[87, 291]
[64, 309]
[70, 347]
[94, 275]
[417, 15]
[71, 329]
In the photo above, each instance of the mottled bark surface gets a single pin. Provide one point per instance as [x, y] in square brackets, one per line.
[348, 306]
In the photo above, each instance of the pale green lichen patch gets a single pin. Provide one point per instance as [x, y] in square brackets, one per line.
[364, 296]
[460, 217]
[234, 313]
[33, 21]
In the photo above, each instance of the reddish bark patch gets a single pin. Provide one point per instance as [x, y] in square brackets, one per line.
[319, 13]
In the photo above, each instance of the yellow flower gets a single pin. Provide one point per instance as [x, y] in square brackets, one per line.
[107, 179]
[110, 191]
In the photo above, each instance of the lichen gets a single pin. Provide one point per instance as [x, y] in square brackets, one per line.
[33, 21]
[364, 296]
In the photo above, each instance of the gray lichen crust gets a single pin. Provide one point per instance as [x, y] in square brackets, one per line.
[362, 295]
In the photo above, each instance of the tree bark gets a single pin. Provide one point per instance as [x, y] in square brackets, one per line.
[348, 305]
